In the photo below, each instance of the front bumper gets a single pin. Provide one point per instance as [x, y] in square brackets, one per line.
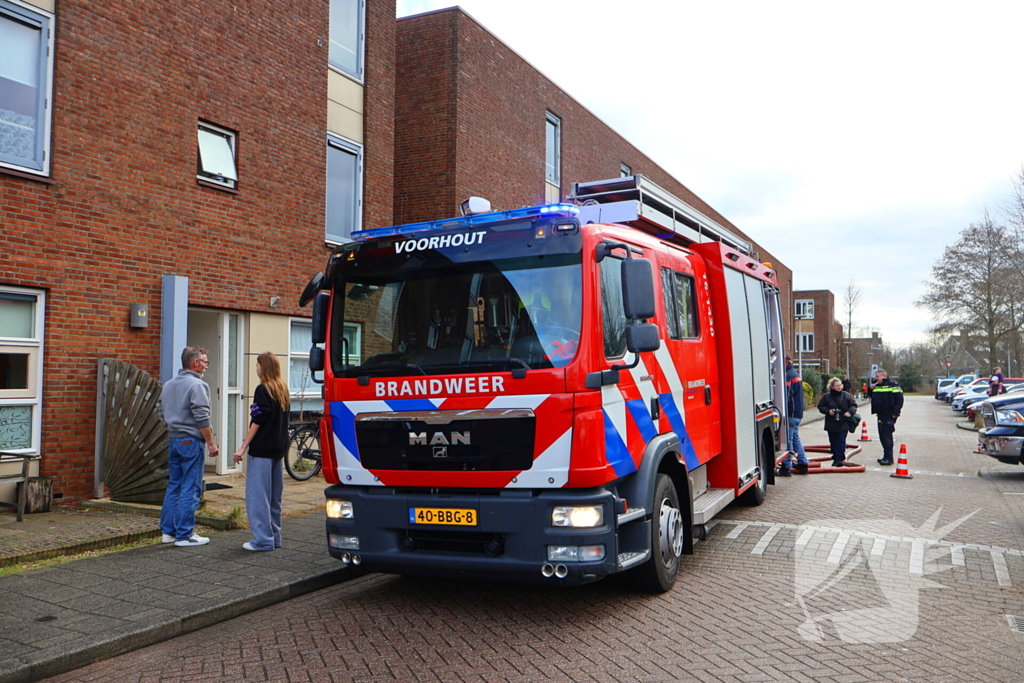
[1002, 443]
[508, 543]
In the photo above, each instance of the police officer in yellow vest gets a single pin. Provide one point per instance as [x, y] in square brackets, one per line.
[886, 403]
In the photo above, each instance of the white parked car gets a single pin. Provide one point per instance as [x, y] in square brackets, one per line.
[976, 392]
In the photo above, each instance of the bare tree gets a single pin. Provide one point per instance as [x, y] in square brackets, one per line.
[851, 300]
[977, 284]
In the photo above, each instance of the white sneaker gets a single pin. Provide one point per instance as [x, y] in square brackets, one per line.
[195, 539]
[248, 546]
[166, 538]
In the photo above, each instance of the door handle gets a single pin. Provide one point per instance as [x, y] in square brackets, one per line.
[707, 394]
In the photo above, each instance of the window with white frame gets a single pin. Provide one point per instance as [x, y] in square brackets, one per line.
[217, 154]
[805, 342]
[553, 150]
[344, 189]
[305, 392]
[625, 171]
[21, 368]
[26, 69]
[805, 309]
[347, 36]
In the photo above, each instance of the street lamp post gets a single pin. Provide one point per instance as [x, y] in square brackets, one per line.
[847, 345]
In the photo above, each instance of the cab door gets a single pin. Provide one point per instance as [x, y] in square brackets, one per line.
[689, 396]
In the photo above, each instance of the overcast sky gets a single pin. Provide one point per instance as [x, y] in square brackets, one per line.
[852, 141]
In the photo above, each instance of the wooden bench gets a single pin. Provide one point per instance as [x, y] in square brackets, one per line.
[20, 481]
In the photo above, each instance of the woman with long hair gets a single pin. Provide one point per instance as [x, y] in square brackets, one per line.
[267, 441]
[837, 405]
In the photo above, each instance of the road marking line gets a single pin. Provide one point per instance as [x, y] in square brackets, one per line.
[917, 547]
[766, 539]
[805, 536]
[838, 547]
[956, 554]
[878, 547]
[735, 533]
[1002, 571]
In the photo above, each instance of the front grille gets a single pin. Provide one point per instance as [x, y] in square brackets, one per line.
[450, 441]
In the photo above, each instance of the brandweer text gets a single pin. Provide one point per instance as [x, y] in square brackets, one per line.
[436, 387]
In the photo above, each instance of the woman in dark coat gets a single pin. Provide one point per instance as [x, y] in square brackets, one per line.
[837, 405]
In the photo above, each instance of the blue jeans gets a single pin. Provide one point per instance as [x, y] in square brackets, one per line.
[795, 444]
[264, 485]
[185, 463]
[837, 444]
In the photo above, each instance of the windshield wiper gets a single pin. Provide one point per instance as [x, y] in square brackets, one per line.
[517, 373]
[392, 365]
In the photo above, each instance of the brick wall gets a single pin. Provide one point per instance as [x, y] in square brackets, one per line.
[471, 116]
[131, 80]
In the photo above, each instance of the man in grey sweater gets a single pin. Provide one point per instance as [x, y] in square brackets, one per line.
[185, 406]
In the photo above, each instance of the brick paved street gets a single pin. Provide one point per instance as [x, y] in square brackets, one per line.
[754, 602]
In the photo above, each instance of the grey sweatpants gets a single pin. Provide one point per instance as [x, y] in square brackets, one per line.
[264, 483]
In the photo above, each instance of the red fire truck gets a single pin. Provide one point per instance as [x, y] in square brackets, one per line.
[549, 394]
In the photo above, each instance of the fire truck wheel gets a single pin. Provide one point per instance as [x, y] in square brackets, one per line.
[755, 494]
[658, 574]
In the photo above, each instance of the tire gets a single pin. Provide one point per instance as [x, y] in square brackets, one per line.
[668, 536]
[755, 494]
[303, 458]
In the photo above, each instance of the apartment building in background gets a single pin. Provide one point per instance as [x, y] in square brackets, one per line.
[171, 174]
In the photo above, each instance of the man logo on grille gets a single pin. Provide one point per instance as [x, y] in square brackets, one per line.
[439, 439]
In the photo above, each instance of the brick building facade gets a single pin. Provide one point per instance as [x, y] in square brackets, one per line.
[474, 118]
[108, 202]
[816, 337]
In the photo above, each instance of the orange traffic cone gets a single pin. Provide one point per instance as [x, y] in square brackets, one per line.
[864, 432]
[901, 465]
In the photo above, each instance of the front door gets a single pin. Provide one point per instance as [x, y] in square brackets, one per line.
[220, 334]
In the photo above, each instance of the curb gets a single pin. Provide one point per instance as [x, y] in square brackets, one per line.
[42, 666]
[218, 523]
[85, 546]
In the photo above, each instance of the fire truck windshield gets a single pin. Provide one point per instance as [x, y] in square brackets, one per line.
[473, 317]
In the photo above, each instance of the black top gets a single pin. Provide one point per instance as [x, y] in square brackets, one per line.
[271, 439]
[840, 401]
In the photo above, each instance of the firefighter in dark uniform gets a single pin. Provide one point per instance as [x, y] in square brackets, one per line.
[886, 403]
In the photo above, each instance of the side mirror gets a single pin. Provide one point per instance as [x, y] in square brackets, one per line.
[320, 308]
[316, 363]
[642, 338]
[310, 290]
[637, 289]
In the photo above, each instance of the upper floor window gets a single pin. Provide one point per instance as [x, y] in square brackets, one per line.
[805, 309]
[805, 342]
[552, 150]
[344, 189]
[21, 368]
[216, 155]
[26, 67]
[346, 52]
[680, 304]
[625, 171]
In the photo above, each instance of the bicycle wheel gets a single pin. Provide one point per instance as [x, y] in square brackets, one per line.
[303, 458]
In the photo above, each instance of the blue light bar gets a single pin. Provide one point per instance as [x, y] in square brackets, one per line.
[566, 210]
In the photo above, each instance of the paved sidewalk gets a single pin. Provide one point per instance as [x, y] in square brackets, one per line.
[63, 617]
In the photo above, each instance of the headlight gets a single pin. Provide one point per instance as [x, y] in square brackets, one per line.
[1009, 418]
[580, 517]
[339, 509]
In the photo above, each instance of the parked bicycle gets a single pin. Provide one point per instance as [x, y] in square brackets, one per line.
[303, 458]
